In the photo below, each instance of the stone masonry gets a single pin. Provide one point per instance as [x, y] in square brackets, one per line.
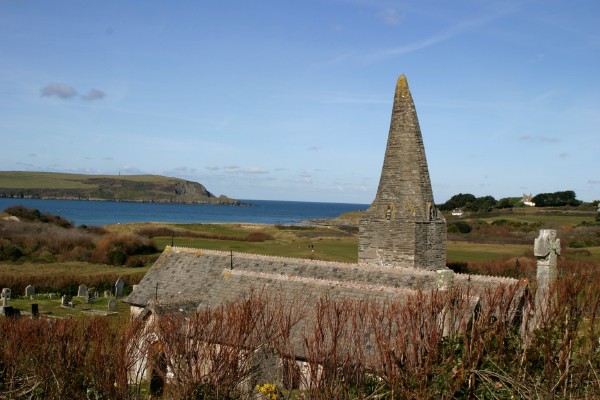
[403, 228]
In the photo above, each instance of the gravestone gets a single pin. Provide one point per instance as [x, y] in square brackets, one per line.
[29, 291]
[35, 310]
[119, 285]
[107, 293]
[112, 305]
[82, 291]
[65, 300]
[5, 296]
[546, 249]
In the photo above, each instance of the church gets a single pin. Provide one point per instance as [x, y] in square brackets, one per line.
[402, 248]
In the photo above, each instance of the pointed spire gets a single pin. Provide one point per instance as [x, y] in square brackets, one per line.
[402, 227]
[405, 176]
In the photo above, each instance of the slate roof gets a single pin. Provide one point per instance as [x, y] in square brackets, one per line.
[197, 277]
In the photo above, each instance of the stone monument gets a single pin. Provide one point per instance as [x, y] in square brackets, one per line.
[402, 227]
[29, 291]
[82, 291]
[546, 249]
[119, 285]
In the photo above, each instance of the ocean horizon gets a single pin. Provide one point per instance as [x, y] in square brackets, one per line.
[97, 213]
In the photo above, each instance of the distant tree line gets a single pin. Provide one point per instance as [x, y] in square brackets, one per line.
[469, 202]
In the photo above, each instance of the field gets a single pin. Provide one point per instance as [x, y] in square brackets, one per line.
[51, 180]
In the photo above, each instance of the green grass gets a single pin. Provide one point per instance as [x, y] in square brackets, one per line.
[52, 307]
[548, 221]
[66, 268]
[479, 252]
[53, 180]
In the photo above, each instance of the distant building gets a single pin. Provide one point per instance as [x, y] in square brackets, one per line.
[527, 199]
[457, 212]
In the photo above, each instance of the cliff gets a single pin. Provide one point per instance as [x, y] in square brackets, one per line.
[141, 188]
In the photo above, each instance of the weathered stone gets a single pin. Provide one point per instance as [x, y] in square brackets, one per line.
[29, 291]
[65, 300]
[6, 292]
[445, 279]
[402, 227]
[546, 249]
[107, 293]
[112, 305]
[82, 291]
[119, 285]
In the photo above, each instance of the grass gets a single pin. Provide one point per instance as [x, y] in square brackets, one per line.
[66, 268]
[478, 252]
[52, 180]
[51, 306]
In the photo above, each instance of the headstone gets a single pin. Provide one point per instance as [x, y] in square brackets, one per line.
[119, 285]
[107, 293]
[134, 287]
[65, 300]
[5, 296]
[112, 305]
[445, 279]
[82, 291]
[29, 291]
[546, 249]
[34, 310]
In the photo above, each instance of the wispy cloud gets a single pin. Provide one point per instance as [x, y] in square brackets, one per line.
[58, 90]
[563, 155]
[390, 16]
[539, 138]
[313, 148]
[234, 169]
[94, 94]
[213, 167]
[436, 38]
[593, 182]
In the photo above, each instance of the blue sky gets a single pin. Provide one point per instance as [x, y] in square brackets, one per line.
[287, 100]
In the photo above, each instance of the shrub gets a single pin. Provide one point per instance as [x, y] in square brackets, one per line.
[459, 227]
[258, 237]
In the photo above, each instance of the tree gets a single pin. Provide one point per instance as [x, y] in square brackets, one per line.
[556, 199]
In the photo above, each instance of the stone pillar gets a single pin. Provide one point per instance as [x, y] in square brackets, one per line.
[546, 249]
[445, 279]
[5, 297]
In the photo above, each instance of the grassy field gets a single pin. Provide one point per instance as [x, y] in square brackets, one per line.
[51, 306]
[67, 268]
[53, 180]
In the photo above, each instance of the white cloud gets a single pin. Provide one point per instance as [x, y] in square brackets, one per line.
[539, 138]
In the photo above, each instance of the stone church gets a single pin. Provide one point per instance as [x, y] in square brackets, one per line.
[402, 246]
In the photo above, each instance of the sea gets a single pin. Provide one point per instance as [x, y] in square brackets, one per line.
[97, 213]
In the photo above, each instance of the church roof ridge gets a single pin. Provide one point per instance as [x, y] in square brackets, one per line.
[324, 263]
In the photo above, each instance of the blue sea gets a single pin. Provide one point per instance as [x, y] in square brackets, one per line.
[82, 212]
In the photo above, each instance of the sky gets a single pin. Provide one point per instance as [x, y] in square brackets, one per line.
[291, 100]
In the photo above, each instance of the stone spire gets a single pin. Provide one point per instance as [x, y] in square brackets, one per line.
[402, 228]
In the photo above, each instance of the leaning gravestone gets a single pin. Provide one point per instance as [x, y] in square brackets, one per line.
[82, 291]
[119, 285]
[107, 293]
[112, 305]
[29, 291]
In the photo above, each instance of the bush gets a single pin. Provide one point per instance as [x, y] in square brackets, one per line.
[258, 237]
[459, 227]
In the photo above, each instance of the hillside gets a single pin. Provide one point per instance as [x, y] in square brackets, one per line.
[142, 188]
